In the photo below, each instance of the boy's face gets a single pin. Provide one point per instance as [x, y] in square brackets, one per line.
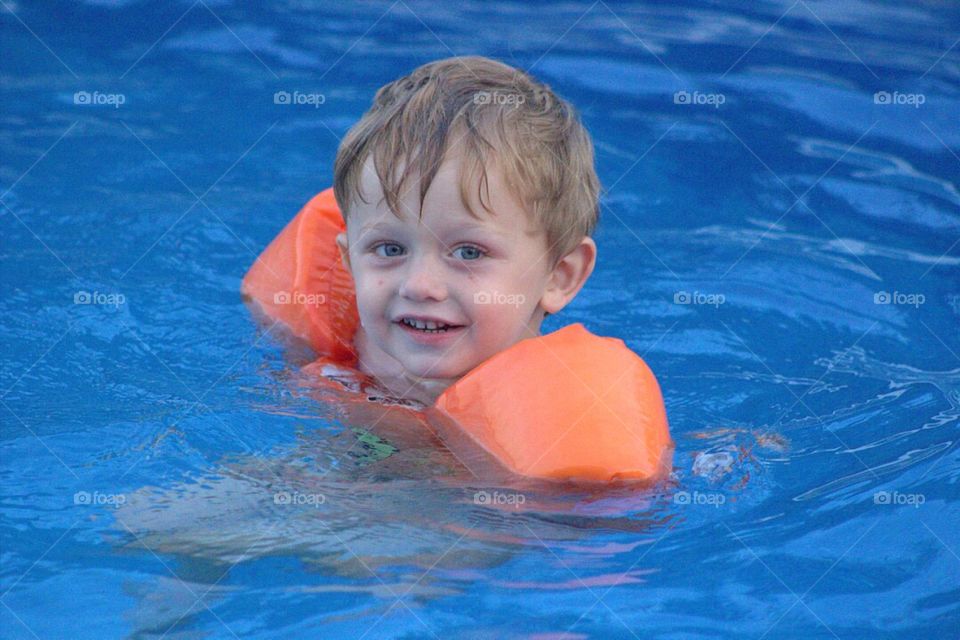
[488, 278]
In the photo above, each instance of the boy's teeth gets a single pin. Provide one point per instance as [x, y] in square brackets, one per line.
[423, 325]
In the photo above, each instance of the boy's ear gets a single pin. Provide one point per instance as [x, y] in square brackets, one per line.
[569, 276]
[344, 249]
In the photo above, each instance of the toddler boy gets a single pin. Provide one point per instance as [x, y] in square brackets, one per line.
[469, 195]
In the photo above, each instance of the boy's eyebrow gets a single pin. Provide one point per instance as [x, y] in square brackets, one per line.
[375, 225]
[469, 226]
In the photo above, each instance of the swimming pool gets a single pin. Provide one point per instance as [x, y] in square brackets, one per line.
[779, 241]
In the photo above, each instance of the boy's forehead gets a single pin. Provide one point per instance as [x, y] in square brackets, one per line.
[444, 188]
[444, 199]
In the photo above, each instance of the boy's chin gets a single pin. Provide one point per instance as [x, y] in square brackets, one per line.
[427, 369]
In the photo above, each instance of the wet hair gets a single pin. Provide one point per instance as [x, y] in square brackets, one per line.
[494, 117]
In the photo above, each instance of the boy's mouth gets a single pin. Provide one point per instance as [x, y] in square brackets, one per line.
[427, 325]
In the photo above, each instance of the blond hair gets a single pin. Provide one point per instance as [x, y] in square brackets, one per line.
[486, 111]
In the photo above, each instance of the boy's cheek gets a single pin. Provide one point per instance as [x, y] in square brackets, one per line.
[367, 281]
[372, 292]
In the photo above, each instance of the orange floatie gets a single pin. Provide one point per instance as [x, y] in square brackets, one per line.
[568, 405]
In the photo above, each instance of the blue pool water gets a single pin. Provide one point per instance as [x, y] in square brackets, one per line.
[779, 241]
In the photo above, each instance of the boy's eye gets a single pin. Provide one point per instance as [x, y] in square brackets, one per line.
[394, 250]
[390, 250]
[470, 252]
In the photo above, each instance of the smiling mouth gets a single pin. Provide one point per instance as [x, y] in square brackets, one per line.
[428, 327]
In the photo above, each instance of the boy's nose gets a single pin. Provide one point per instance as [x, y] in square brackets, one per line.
[423, 280]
